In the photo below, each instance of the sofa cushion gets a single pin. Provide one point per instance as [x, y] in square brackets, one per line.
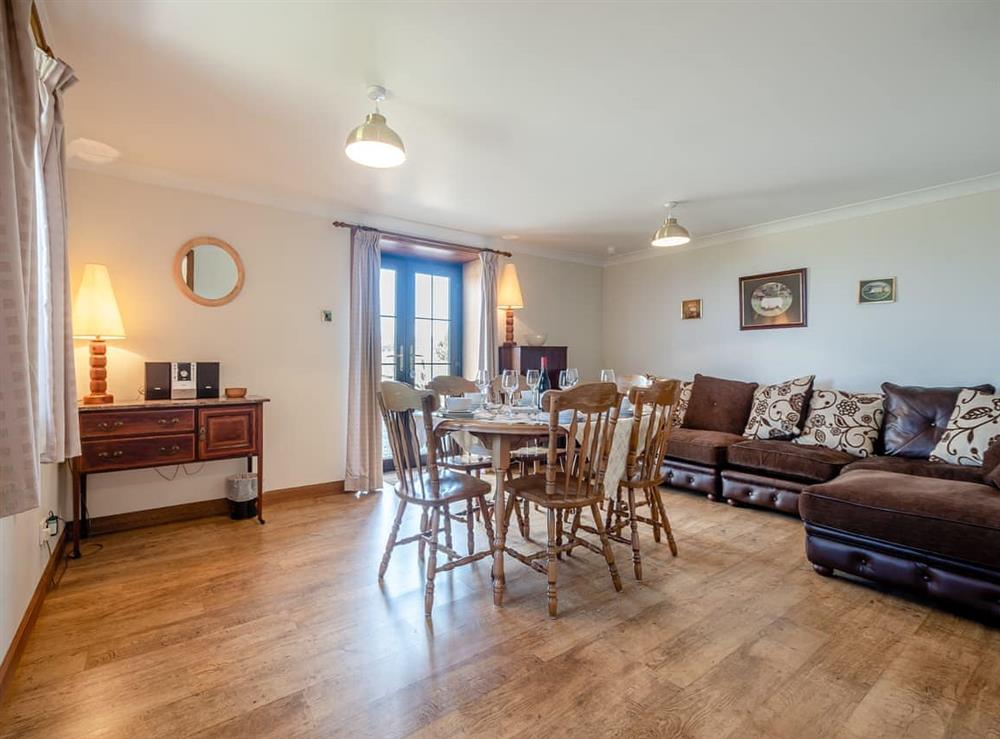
[778, 410]
[683, 400]
[919, 467]
[916, 417]
[703, 447]
[812, 463]
[847, 422]
[991, 465]
[973, 428]
[719, 405]
[953, 519]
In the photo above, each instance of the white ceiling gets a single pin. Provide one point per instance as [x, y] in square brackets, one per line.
[566, 123]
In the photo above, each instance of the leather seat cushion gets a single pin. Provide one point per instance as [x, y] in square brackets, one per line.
[916, 417]
[919, 467]
[703, 447]
[950, 518]
[812, 463]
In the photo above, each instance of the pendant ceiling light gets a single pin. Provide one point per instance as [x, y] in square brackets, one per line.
[671, 233]
[373, 143]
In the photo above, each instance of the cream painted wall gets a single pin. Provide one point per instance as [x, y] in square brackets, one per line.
[270, 339]
[946, 257]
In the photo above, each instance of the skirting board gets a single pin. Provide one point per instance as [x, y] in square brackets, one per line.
[9, 664]
[202, 509]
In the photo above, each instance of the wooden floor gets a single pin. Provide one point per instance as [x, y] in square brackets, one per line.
[220, 628]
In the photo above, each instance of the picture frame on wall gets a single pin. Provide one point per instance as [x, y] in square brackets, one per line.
[773, 300]
[880, 290]
[691, 309]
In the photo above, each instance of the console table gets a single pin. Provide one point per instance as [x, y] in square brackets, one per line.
[155, 433]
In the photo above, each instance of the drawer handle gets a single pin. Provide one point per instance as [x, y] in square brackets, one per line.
[107, 455]
[170, 450]
[172, 421]
[107, 426]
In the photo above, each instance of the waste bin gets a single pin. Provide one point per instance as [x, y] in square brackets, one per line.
[241, 492]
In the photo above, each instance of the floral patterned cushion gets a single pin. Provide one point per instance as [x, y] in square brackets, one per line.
[973, 428]
[777, 410]
[683, 399]
[849, 422]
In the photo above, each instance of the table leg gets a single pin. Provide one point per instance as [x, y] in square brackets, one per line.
[260, 464]
[501, 463]
[76, 510]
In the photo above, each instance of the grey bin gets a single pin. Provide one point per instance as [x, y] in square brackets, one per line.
[241, 492]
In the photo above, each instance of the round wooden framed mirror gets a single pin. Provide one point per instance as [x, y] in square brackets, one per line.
[209, 271]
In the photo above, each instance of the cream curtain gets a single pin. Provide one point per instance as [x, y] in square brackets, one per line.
[19, 470]
[364, 423]
[57, 417]
[488, 318]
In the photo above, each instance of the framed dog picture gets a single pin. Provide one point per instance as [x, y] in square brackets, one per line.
[690, 309]
[773, 300]
[882, 290]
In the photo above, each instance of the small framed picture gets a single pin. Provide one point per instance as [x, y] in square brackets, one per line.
[691, 309]
[773, 300]
[882, 290]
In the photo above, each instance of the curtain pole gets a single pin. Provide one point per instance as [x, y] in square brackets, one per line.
[422, 241]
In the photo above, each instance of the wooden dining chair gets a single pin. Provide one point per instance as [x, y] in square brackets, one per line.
[648, 440]
[420, 481]
[575, 485]
[453, 457]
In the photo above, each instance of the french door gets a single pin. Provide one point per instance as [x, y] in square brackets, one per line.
[421, 319]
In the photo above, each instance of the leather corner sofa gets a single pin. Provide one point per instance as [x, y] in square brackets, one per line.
[896, 517]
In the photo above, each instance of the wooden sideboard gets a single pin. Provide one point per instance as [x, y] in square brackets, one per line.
[523, 358]
[157, 433]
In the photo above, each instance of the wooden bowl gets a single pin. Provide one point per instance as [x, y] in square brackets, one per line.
[236, 392]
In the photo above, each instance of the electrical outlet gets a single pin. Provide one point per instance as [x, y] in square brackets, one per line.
[327, 316]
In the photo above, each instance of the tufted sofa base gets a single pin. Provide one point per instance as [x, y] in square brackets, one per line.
[692, 476]
[961, 583]
[759, 490]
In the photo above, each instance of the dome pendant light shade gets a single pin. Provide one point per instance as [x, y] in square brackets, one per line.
[671, 233]
[373, 143]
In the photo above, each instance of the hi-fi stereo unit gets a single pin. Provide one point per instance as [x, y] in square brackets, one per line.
[182, 380]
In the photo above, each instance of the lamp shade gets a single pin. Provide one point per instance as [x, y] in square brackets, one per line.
[671, 233]
[95, 310]
[374, 144]
[509, 296]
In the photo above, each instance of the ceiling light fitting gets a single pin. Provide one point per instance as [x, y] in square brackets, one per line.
[671, 233]
[373, 143]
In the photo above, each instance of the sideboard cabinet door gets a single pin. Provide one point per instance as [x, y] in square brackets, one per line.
[227, 432]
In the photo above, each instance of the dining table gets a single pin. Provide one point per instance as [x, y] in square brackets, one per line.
[500, 434]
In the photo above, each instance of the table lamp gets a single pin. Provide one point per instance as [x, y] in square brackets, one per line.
[509, 298]
[96, 317]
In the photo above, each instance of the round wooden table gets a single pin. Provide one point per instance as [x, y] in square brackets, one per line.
[500, 437]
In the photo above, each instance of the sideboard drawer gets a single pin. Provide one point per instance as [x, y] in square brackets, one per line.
[135, 423]
[146, 451]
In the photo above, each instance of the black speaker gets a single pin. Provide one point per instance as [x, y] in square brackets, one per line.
[157, 380]
[208, 379]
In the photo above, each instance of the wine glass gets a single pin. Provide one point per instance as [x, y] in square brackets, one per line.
[564, 382]
[508, 384]
[573, 375]
[533, 377]
[483, 384]
[607, 375]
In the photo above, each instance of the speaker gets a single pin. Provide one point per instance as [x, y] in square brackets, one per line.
[208, 379]
[157, 380]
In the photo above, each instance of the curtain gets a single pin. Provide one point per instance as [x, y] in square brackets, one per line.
[59, 430]
[488, 318]
[19, 472]
[364, 423]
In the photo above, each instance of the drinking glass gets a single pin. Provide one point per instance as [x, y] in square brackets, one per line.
[483, 383]
[533, 377]
[607, 375]
[573, 375]
[508, 384]
[564, 381]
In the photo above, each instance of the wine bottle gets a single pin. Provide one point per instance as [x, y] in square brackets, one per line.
[543, 381]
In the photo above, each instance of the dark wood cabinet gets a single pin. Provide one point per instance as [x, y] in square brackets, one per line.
[524, 358]
[129, 436]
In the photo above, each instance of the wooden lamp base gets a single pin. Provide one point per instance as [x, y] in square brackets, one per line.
[509, 338]
[99, 394]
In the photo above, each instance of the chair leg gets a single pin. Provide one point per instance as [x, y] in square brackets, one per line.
[447, 527]
[664, 521]
[612, 506]
[573, 529]
[487, 521]
[393, 535]
[634, 526]
[470, 524]
[654, 514]
[422, 545]
[520, 520]
[559, 529]
[432, 561]
[552, 518]
[609, 556]
[527, 520]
